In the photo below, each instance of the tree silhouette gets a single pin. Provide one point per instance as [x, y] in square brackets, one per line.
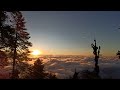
[37, 71]
[20, 45]
[75, 76]
[13, 36]
[118, 53]
[96, 52]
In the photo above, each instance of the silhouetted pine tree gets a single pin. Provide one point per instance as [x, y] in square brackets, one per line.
[19, 49]
[96, 52]
[13, 36]
[37, 72]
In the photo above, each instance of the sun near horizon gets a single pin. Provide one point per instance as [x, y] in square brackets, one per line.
[36, 52]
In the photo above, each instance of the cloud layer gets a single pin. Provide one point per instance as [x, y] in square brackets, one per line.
[64, 67]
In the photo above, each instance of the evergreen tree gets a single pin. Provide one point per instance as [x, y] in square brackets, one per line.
[37, 72]
[21, 36]
[13, 36]
[96, 52]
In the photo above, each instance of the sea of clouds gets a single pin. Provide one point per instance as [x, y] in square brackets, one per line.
[64, 66]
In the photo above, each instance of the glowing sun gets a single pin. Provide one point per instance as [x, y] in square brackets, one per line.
[36, 52]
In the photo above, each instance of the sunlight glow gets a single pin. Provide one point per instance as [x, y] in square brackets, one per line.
[36, 52]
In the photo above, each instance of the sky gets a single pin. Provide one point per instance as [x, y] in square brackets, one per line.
[72, 32]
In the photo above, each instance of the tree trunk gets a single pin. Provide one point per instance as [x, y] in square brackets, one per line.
[14, 57]
[96, 65]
